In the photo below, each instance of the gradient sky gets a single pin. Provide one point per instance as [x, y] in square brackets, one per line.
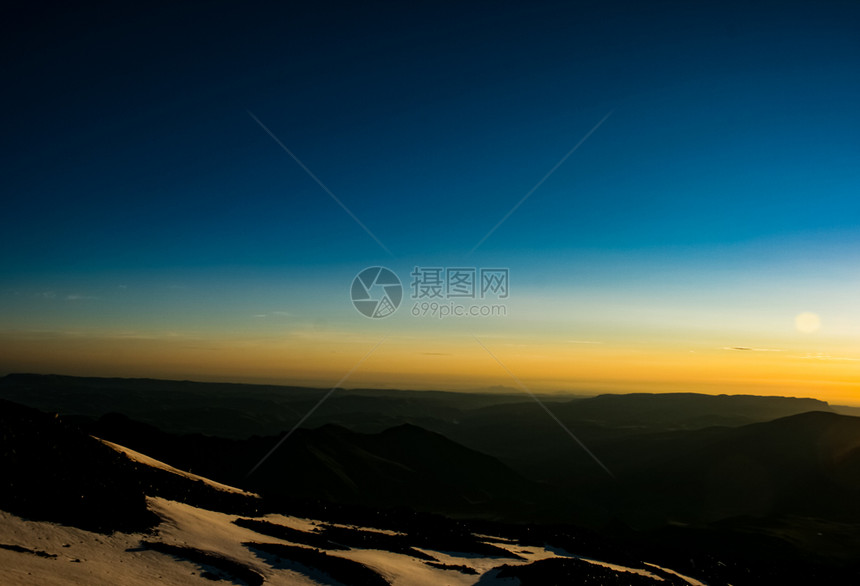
[154, 228]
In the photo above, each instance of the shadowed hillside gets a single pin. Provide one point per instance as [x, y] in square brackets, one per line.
[774, 499]
[806, 465]
[53, 471]
[402, 466]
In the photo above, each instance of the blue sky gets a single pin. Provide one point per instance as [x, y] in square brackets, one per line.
[130, 143]
[140, 194]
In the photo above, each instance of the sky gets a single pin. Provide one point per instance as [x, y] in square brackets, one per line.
[671, 189]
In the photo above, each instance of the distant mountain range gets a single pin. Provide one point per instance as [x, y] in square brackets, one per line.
[74, 509]
[401, 466]
[785, 485]
[806, 464]
[243, 410]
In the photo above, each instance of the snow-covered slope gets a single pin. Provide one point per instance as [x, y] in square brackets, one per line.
[188, 544]
[153, 463]
[37, 553]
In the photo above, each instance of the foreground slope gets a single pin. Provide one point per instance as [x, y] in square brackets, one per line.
[401, 466]
[146, 539]
[196, 546]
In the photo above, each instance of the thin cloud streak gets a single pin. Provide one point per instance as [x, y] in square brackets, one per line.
[827, 357]
[748, 349]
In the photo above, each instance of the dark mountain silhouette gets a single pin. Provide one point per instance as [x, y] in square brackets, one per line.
[402, 466]
[227, 410]
[805, 465]
[461, 458]
[802, 465]
[53, 471]
[686, 410]
[510, 427]
[524, 437]
[236, 410]
[736, 503]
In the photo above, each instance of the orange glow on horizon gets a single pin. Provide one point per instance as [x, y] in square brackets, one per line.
[457, 363]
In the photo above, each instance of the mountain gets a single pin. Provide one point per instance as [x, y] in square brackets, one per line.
[401, 466]
[54, 471]
[131, 519]
[805, 465]
[686, 410]
[498, 450]
[140, 521]
[237, 410]
[802, 465]
[230, 410]
[523, 436]
[483, 421]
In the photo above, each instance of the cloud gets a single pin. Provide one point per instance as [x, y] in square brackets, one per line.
[272, 314]
[748, 349]
[827, 357]
[68, 297]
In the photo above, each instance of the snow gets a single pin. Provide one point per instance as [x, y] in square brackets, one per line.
[692, 581]
[153, 463]
[76, 556]
[83, 557]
